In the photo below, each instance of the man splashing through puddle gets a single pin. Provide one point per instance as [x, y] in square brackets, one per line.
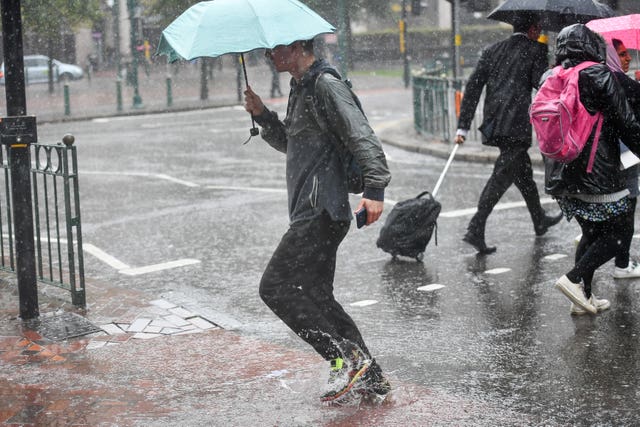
[298, 281]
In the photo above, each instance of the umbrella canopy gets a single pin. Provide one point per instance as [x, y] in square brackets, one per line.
[624, 28]
[555, 14]
[216, 27]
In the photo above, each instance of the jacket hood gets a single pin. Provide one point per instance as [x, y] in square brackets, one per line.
[577, 43]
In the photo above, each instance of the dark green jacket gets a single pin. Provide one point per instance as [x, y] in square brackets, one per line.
[316, 178]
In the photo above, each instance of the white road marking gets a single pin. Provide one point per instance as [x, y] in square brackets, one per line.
[554, 257]
[499, 206]
[431, 287]
[146, 175]
[175, 180]
[234, 188]
[495, 271]
[363, 303]
[104, 257]
[123, 268]
[159, 267]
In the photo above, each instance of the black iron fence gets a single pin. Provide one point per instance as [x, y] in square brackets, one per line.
[56, 212]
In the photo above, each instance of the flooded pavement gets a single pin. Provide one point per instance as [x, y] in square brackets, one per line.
[201, 377]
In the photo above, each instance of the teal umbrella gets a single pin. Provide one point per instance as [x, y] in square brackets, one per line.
[217, 27]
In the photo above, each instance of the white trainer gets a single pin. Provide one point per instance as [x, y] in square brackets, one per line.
[575, 293]
[632, 270]
[599, 304]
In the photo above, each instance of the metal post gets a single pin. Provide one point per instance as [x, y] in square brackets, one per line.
[204, 86]
[116, 36]
[133, 8]
[19, 160]
[67, 103]
[342, 38]
[457, 39]
[403, 43]
[119, 93]
[169, 92]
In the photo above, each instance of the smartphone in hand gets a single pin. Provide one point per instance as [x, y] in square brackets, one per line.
[361, 218]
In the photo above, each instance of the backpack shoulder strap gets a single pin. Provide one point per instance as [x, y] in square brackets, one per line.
[600, 119]
[312, 103]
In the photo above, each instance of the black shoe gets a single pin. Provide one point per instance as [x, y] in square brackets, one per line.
[547, 221]
[479, 244]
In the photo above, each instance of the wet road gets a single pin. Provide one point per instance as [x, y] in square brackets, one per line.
[181, 189]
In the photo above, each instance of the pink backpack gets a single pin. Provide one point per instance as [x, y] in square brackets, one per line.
[561, 122]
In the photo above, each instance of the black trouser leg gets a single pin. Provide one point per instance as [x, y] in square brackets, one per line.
[523, 179]
[500, 180]
[513, 166]
[298, 286]
[622, 259]
[600, 242]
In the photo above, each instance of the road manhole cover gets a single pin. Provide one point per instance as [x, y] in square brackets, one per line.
[64, 326]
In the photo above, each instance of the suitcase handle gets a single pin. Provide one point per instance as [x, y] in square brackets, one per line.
[446, 168]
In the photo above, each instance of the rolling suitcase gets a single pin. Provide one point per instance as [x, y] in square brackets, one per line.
[411, 223]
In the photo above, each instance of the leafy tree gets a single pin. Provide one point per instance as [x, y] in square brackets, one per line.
[355, 8]
[166, 10]
[329, 9]
[47, 20]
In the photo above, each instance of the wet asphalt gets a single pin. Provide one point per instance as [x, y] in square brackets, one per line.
[465, 339]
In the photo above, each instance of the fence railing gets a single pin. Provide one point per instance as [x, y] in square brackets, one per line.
[56, 212]
[435, 107]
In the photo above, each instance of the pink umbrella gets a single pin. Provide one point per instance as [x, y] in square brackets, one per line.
[624, 28]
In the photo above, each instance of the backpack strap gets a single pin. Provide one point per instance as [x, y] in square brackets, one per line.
[312, 103]
[596, 138]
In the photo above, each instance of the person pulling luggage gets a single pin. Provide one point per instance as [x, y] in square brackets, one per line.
[509, 70]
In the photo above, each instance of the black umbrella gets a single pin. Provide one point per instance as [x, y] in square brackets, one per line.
[555, 14]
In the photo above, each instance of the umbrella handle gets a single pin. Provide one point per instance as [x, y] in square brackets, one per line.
[254, 130]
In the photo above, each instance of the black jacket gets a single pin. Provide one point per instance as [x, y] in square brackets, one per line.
[631, 90]
[510, 70]
[599, 91]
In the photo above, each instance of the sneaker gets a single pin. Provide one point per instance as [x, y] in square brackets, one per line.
[574, 292]
[599, 304]
[631, 270]
[375, 388]
[338, 370]
[344, 375]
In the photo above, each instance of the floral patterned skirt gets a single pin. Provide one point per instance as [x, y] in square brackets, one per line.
[595, 212]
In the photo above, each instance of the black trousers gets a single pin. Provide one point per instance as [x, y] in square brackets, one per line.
[298, 286]
[623, 257]
[600, 242]
[513, 166]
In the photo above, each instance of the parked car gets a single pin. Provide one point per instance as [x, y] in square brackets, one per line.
[36, 70]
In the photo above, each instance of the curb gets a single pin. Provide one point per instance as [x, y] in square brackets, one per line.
[402, 134]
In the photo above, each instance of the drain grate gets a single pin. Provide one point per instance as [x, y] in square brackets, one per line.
[63, 326]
